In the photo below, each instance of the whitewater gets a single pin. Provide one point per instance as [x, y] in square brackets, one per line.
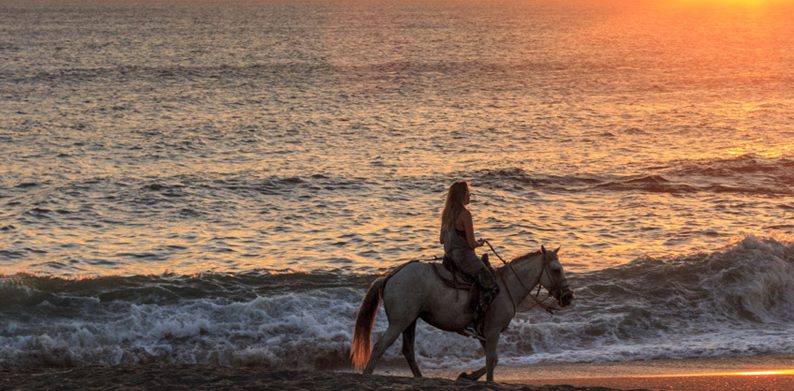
[736, 302]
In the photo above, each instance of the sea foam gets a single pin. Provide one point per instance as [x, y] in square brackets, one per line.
[739, 301]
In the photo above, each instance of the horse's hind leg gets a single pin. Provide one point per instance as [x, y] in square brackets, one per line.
[402, 302]
[408, 348]
[383, 343]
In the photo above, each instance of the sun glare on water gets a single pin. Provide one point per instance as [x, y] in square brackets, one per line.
[776, 372]
[724, 2]
[746, 5]
[765, 373]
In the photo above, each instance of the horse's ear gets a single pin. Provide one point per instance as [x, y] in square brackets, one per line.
[543, 249]
[557, 250]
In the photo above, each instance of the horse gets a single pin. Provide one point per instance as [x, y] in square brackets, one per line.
[413, 291]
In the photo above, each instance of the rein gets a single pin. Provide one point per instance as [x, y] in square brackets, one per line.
[539, 302]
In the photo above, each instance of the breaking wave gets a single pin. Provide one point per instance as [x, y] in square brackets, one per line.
[739, 301]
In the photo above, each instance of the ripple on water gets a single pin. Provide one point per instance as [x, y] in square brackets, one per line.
[351, 160]
[8, 254]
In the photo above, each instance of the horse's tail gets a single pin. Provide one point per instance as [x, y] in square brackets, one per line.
[361, 350]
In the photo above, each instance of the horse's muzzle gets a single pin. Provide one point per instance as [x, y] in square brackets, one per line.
[566, 298]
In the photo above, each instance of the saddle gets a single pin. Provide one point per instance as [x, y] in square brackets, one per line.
[451, 275]
[455, 278]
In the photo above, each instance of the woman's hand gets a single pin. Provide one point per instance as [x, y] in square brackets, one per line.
[480, 242]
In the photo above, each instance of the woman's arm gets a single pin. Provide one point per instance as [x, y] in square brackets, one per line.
[468, 225]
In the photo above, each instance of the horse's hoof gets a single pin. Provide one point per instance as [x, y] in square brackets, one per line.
[465, 376]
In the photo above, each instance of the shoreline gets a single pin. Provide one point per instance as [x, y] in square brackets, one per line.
[724, 373]
[720, 373]
[740, 373]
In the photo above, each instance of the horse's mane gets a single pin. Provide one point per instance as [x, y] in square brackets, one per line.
[519, 258]
[527, 255]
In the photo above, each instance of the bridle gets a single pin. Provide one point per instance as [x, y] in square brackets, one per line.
[544, 271]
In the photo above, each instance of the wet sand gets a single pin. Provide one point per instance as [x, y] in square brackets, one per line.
[687, 374]
[738, 373]
[691, 374]
[195, 377]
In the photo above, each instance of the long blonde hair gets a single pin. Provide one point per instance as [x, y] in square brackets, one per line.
[454, 205]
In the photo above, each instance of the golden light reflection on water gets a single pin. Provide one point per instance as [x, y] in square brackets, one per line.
[774, 372]
[502, 97]
[724, 3]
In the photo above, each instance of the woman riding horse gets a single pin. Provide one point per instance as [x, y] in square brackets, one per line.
[414, 291]
[457, 236]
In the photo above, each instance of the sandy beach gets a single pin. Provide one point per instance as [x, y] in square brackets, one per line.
[191, 377]
[737, 373]
[692, 374]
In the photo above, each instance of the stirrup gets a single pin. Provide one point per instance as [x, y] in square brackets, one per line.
[471, 331]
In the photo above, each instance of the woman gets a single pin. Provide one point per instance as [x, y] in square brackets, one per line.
[457, 236]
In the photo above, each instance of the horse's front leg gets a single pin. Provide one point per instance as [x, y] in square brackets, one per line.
[474, 375]
[490, 361]
[490, 355]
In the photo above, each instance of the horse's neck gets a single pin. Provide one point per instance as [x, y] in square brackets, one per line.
[523, 276]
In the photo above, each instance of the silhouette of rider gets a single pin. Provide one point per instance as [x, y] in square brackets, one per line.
[457, 236]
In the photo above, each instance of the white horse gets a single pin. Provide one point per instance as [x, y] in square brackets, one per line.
[414, 291]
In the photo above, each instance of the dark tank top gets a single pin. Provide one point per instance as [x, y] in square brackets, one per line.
[461, 233]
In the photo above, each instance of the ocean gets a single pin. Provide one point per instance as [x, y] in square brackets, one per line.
[219, 182]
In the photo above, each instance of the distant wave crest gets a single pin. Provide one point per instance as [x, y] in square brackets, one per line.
[744, 174]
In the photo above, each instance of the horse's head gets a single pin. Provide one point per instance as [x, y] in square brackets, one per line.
[553, 278]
